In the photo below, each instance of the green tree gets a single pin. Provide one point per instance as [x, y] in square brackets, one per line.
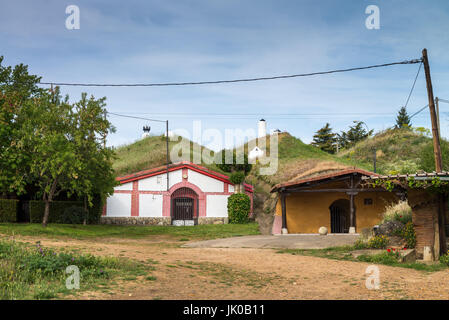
[17, 88]
[239, 162]
[68, 154]
[403, 119]
[47, 133]
[325, 139]
[50, 144]
[355, 134]
[97, 176]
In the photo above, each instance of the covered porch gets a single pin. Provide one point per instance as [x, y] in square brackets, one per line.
[337, 201]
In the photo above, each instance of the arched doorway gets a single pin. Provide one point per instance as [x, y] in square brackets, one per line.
[339, 214]
[184, 206]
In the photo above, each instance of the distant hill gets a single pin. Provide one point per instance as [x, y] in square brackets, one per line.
[147, 153]
[397, 151]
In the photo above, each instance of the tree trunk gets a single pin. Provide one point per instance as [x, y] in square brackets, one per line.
[85, 211]
[46, 212]
[48, 198]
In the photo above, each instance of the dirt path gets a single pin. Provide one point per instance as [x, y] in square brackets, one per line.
[234, 273]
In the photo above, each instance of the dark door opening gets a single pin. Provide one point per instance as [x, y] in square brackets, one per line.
[339, 214]
[23, 211]
[183, 209]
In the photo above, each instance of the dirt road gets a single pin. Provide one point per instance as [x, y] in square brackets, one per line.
[250, 273]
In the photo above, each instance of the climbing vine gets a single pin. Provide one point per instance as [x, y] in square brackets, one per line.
[434, 185]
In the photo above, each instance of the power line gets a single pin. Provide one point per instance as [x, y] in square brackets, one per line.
[258, 114]
[140, 118]
[420, 110]
[229, 81]
[413, 86]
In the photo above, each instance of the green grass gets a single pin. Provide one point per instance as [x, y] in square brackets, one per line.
[398, 151]
[344, 253]
[34, 272]
[149, 153]
[133, 232]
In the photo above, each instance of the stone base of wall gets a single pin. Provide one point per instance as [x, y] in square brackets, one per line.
[209, 220]
[155, 221]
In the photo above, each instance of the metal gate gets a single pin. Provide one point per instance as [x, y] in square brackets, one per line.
[184, 205]
[183, 208]
[338, 220]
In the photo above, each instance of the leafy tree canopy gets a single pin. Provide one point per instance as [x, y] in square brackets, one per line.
[47, 142]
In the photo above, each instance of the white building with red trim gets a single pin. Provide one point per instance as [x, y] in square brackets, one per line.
[196, 195]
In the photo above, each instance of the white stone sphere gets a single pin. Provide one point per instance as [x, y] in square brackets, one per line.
[322, 231]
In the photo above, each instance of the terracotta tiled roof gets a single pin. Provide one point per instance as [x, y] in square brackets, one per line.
[324, 177]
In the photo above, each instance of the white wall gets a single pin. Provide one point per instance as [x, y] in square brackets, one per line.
[217, 206]
[159, 182]
[126, 186]
[118, 205]
[205, 183]
[150, 205]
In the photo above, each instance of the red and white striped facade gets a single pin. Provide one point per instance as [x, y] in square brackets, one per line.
[144, 194]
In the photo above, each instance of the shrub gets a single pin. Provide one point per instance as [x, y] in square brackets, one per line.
[57, 209]
[239, 206]
[8, 210]
[378, 242]
[58, 213]
[96, 210]
[237, 177]
[408, 233]
[361, 244]
[389, 257]
[400, 211]
[74, 215]
[444, 259]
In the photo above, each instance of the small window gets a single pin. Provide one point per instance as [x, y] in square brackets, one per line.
[368, 201]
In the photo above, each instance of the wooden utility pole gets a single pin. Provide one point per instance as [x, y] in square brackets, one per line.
[439, 222]
[433, 116]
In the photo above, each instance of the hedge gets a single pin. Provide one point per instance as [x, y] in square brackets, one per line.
[8, 210]
[239, 206]
[58, 208]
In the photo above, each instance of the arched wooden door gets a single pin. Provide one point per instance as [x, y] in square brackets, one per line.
[184, 206]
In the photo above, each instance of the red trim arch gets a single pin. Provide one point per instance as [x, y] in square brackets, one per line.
[184, 184]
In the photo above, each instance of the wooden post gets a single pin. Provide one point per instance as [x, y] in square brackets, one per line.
[351, 206]
[433, 116]
[284, 213]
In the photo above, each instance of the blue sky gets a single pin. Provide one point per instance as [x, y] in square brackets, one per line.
[169, 41]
